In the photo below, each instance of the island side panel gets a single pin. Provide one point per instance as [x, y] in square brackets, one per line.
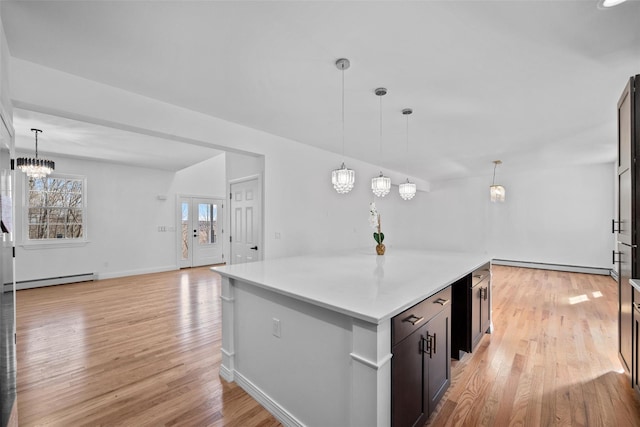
[371, 374]
[227, 365]
[326, 368]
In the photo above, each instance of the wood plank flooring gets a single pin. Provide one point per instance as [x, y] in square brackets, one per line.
[145, 351]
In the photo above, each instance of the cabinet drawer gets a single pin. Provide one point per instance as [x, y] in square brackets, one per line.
[413, 318]
[480, 274]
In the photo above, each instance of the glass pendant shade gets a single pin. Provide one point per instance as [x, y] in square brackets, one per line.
[497, 193]
[407, 190]
[343, 179]
[381, 185]
[33, 166]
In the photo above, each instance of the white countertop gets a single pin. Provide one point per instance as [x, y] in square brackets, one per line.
[360, 284]
[635, 283]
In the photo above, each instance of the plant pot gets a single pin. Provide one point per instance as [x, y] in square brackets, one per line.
[380, 249]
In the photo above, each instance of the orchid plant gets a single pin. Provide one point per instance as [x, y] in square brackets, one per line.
[374, 221]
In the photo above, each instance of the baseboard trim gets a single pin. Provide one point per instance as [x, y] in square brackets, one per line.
[558, 267]
[102, 276]
[226, 374]
[267, 402]
[614, 275]
[50, 281]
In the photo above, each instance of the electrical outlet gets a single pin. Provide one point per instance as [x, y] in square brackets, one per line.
[276, 328]
[277, 235]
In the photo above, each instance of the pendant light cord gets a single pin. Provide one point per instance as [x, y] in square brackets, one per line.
[342, 111]
[36, 131]
[380, 159]
[407, 159]
[495, 165]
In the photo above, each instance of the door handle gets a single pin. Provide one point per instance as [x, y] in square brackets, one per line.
[255, 248]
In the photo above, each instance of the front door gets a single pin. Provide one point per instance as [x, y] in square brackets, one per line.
[246, 221]
[201, 231]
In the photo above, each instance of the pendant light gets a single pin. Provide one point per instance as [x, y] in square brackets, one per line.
[407, 189]
[497, 191]
[36, 167]
[343, 179]
[381, 185]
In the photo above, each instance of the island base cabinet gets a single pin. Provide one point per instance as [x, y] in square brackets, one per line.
[421, 362]
[471, 310]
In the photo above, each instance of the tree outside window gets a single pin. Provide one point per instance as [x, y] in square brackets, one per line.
[55, 208]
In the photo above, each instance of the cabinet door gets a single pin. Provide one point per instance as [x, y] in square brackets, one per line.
[476, 313]
[485, 308]
[625, 295]
[408, 404]
[438, 358]
[635, 342]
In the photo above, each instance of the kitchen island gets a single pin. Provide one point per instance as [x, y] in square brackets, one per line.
[310, 337]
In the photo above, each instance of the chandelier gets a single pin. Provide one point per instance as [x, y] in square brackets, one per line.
[407, 189]
[343, 179]
[497, 191]
[36, 167]
[381, 185]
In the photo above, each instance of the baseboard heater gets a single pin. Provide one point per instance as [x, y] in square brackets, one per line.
[60, 280]
[557, 267]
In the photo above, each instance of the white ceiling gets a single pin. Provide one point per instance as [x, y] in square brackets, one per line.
[533, 83]
[77, 139]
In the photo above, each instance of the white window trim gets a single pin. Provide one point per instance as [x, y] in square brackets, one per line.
[26, 243]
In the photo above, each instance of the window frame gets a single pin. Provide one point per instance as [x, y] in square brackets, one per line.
[49, 242]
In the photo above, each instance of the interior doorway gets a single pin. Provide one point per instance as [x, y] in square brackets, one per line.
[200, 232]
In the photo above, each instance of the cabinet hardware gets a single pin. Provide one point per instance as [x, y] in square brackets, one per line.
[413, 319]
[427, 345]
[255, 248]
[430, 344]
[442, 301]
[613, 226]
[613, 257]
[486, 293]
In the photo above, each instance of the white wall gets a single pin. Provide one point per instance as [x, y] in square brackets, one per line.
[206, 179]
[123, 214]
[559, 224]
[556, 216]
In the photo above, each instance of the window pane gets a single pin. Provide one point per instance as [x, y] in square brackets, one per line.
[74, 231]
[55, 208]
[185, 230]
[37, 231]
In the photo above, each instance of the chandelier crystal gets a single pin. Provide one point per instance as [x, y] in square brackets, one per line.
[35, 167]
[407, 189]
[343, 179]
[381, 185]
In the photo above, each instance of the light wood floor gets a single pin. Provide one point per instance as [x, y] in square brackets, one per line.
[145, 351]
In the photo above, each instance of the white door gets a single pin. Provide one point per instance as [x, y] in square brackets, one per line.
[246, 221]
[201, 231]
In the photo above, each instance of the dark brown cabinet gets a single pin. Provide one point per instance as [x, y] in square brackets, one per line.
[421, 363]
[471, 310]
[635, 341]
[626, 224]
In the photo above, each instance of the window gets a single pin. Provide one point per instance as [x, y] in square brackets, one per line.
[55, 208]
